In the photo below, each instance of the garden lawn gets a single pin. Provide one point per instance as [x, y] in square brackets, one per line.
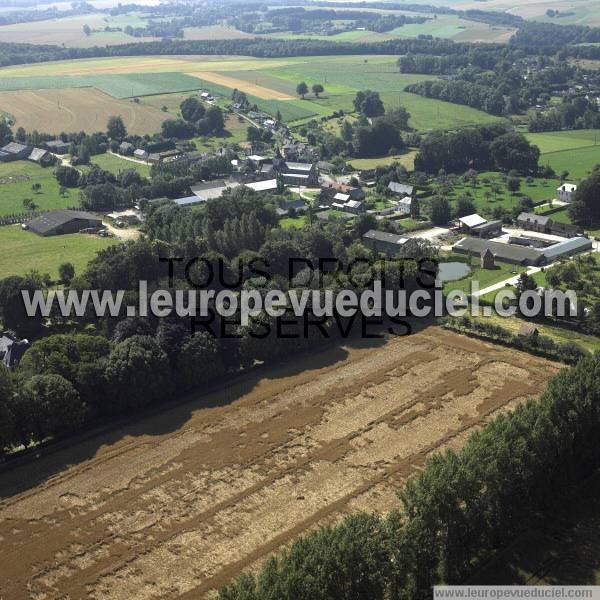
[16, 179]
[22, 251]
[115, 163]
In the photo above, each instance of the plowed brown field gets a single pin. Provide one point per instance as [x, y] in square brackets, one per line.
[181, 502]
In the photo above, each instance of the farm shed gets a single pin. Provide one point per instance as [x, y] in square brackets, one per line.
[39, 155]
[60, 222]
[381, 241]
[15, 151]
[510, 253]
[567, 248]
[57, 146]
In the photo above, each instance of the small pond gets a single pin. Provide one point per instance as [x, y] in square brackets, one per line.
[453, 271]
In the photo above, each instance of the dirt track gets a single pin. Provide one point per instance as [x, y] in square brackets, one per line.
[178, 504]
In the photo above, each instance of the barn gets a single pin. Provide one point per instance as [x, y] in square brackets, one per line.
[60, 222]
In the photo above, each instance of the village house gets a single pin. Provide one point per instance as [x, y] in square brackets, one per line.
[332, 188]
[293, 173]
[543, 224]
[400, 189]
[566, 192]
[140, 154]
[404, 205]
[126, 148]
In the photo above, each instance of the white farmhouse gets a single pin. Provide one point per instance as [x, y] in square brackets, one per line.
[404, 205]
[565, 192]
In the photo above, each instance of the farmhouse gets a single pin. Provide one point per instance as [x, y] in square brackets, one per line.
[565, 192]
[59, 222]
[533, 222]
[381, 241]
[542, 224]
[293, 173]
[400, 189]
[332, 188]
[14, 151]
[126, 148]
[404, 205]
[140, 154]
[57, 146]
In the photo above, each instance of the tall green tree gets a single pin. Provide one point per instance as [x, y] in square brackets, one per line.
[115, 128]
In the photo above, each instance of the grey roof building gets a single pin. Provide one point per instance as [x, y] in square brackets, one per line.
[59, 222]
[39, 155]
[567, 248]
[382, 241]
[57, 146]
[16, 151]
[400, 188]
[518, 255]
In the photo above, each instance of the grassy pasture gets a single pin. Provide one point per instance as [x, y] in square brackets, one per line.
[408, 160]
[579, 162]
[556, 141]
[22, 251]
[16, 179]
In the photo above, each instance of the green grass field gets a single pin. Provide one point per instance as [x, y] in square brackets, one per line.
[557, 141]
[16, 179]
[22, 251]
[579, 162]
[114, 164]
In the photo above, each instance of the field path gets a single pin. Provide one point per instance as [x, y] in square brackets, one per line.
[176, 505]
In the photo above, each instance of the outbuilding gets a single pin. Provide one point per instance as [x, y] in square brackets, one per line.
[60, 222]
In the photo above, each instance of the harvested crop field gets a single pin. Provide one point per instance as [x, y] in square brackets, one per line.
[179, 503]
[76, 109]
[244, 86]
